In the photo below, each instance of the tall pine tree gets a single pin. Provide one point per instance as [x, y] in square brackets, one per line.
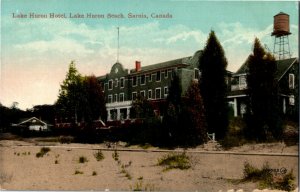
[263, 110]
[213, 64]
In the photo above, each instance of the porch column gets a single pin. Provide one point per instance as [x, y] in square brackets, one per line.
[108, 115]
[118, 114]
[128, 112]
[235, 110]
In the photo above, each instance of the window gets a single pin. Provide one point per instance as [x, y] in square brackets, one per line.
[142, 93]
[116, 98]
[149, 94]
[157, 93]
[122, 82]
[291, 81]
[117, 82]
[109, 99]
[197, 74]
[166, 90]
[292, 100]
[121, 97]
[242, 81]
[134, 79]
[110, 84]
[166, 74]
[134, 96]
[143, 79]
[150, 77]
[158, 76]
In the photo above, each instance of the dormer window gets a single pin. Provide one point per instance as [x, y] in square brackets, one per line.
[291, 81]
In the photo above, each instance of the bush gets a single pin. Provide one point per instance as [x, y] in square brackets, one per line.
[267, 180]
[78, 172]
[175, 161]
[99, 155]
[115, 155]
[94, 173]
[82, 159]
[65, 139]
[43, 152]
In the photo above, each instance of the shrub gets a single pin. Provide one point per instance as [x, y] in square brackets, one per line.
[82, 159]
[56, 161]
[139, 186]
[175, 161]
[94, 173]
[266, 179]
[65, 139]
[43, 152]
[115, 155]
[99, 155]
[78, 172]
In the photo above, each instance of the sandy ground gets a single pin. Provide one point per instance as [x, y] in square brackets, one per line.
[20, 169]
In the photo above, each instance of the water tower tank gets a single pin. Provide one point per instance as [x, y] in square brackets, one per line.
[281, 25]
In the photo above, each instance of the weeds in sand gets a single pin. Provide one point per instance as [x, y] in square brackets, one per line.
[115, 155]
[56, 161]
[78, 172]
[175, 161]
[82, 159]
[128, 175]
[94, 173]
[43, 151]
[139, 186]
[268, 180]
[140, 178]
[4, 177]
[18, 154]
[99, 155]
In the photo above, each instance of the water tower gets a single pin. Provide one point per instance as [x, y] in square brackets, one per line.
[281, 31]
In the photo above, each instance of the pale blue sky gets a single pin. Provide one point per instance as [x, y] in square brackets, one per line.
[36, 52]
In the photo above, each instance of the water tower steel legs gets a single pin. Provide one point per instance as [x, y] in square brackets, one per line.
[282, 47]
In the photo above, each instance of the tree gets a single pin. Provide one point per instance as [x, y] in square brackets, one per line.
[93, 100]
[193, 116]
[174, 106]
[263, 109]
[212, 64]
[70, 95]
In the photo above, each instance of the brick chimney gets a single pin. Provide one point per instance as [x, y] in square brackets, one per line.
[137, 66]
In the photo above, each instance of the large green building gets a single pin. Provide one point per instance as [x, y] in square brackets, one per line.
[122, 86]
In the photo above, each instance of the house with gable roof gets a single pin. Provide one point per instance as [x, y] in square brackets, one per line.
[287, 76]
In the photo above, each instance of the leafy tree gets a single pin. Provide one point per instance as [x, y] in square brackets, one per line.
[193, 116]
[70, 94]
[212, 64]
[141, 108]
[93, 100]
[263, 109]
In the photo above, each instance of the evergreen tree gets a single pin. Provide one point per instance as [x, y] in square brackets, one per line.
[174, 106]
[212, 64]
[70, 95]
[263, 113]
[193, 117]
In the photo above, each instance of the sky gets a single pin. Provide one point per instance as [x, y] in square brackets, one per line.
[36, 52]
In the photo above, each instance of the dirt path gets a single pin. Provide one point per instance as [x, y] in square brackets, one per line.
[22, 170]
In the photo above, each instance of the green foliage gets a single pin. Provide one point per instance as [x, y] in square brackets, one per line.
[213, 64]
[65, 139]
[80, 97]
[263, 106]
[141, 108]
[99, 155]
[140, 186]
[175, 161]
[82, 159]
[268, 180]
[115, 155]
[78, 172]
[193, 117]
[43, 152]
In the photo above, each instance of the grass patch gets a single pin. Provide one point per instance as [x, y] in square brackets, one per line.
[78, 172]
[99, 155]
[267, 179]
[175, 161]
[145, 146]
[43, 151]
[115, 155]
[139, 186]
[82, 159]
